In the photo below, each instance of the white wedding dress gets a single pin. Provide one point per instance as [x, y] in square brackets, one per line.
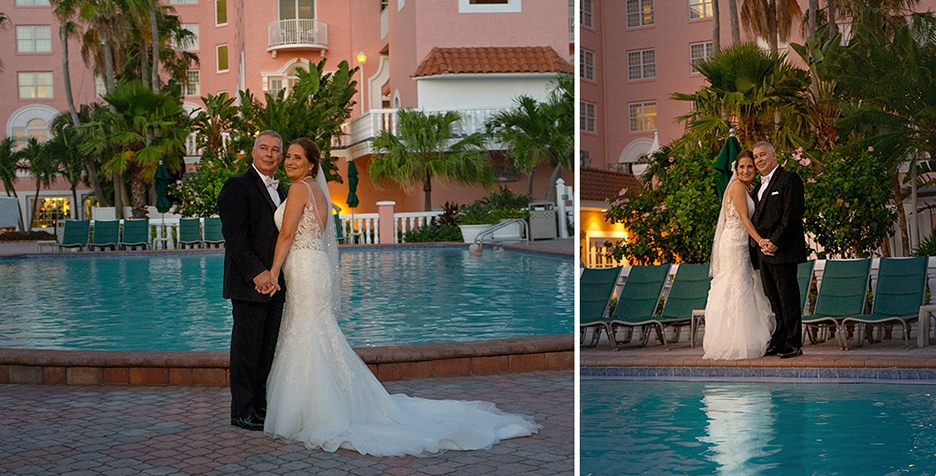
[321, 393]
[738, 319]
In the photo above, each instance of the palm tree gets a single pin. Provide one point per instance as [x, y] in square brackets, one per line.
[538, 133]
[140, 129]
[42, 166]
[426, 146]
[9, 165]
[64, 146]
[213, 122]
[771, 20]
[752, 91]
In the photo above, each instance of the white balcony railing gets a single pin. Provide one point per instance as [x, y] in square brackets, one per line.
[299, 33]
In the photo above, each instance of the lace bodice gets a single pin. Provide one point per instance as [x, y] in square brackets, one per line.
[733, 219]
[309, 233]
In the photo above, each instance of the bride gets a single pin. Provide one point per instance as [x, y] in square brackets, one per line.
[738, 319]
[319, 391]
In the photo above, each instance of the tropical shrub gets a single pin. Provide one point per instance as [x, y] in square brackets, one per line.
[196, 195]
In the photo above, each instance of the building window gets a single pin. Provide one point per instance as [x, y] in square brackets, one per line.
[584, 158]
[50, 210]
[183, 2]
[641, 64]
[639, 13]
[699, 52]
[642, 116]
[220, 12]
[34, 39]
[193, 87]
[35, 85]
[222, 58]
[35, 128]
[190, 42]
[700, 9]
[32, 3]
[489, 6]
[587, 67]
[587, 116]
[585, 12]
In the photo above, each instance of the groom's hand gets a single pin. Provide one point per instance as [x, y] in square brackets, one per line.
[768, 248]
[265, 284]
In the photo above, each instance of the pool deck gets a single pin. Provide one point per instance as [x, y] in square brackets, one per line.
[887, 359]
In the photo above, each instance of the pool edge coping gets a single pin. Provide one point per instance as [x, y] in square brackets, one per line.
[391, 363]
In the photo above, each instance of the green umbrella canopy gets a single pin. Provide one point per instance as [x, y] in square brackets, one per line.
[161, 183]
[353, 200]
[726, 157]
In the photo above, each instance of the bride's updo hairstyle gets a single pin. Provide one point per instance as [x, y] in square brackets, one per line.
[311, 152]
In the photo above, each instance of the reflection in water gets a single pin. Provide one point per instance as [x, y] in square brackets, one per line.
[740, 428]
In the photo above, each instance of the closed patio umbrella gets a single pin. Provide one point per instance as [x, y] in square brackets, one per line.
[726, 157]
[353, 200]
[161, 183]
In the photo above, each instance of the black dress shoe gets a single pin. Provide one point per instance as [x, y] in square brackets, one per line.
[248, 422]
[791, 352]
[772, 350]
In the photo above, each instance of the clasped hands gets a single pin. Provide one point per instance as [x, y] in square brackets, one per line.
[767, 247]
[265, 283]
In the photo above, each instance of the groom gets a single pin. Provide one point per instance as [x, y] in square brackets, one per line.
[246, 205]
[778, 217]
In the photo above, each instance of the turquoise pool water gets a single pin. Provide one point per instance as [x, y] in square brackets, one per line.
[756, 428]
[172, 302]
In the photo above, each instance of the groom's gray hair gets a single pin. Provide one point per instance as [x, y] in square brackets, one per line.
[766, 144]
[268, 132]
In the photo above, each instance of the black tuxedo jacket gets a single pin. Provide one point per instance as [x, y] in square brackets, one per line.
[250, 233]
[778, 215]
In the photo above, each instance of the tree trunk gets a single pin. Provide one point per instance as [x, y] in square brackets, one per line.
[772, 25]
[733, 19]
[144, 67]
[716, 26]
[811, 24]
[119, 194]
[530, 183]
[75, 204]
[154, 30]
[551, 190]
[427, 190]
[90, 166]
[833, 28]
[35, 208]
[901, 218]
[110, 78]
[138, 195]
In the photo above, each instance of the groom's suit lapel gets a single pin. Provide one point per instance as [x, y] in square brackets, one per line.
[771, 186]
[258, 181]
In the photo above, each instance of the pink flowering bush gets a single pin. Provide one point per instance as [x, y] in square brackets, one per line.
[196, 195]
[847, 199]
[673, 219]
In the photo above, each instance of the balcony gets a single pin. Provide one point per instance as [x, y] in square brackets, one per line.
[297, 35]
[360, 131]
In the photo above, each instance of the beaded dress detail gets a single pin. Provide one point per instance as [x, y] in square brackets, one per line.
[321, 393]
[738, 319]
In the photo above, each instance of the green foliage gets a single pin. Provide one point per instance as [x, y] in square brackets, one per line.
[196, 195]
[500, 205]
[675, 220]
[846, 201]
[316, 107]
[440, 228]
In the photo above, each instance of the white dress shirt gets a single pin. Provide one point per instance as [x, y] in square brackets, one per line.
[271, 185]
[764, 183]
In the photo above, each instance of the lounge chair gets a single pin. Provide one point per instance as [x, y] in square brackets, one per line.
[213, 234]
[190, 233]
[75, 234]
[842, 293]
[637, 303]
[804, 273]
[106, 234]
[135, 233]
[901, 284]
[687, 298]
[596, 286]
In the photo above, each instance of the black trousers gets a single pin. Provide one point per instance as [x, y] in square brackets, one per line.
[253, 342]
[782, 291]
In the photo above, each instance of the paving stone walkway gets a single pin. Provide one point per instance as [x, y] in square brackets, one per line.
[88, 430]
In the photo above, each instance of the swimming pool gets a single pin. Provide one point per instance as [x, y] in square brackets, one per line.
[748, 428]
[172, 301]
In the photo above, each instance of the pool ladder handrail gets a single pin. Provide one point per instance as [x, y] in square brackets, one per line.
[524, 230]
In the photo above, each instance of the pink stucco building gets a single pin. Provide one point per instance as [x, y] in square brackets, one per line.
[472, 56]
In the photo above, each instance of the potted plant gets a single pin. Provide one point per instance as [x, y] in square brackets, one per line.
[501, 205]
[474, 218]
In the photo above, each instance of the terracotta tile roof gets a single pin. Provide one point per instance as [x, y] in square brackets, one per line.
[512, 59]
[599, 185]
